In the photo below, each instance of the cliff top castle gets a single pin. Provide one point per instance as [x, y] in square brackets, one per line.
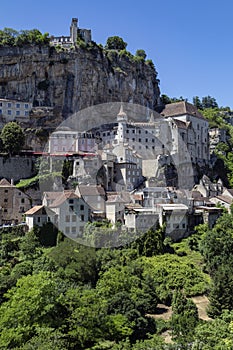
[75, 33]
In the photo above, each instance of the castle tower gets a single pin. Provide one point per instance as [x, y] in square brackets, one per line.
[74, 30]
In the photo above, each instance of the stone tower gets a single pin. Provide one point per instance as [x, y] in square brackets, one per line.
[122, 119]
[74, 30]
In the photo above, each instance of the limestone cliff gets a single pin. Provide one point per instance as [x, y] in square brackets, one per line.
[71, 81]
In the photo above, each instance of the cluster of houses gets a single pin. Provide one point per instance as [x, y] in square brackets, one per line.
[136, 173]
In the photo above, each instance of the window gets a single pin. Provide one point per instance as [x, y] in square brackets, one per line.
[26, 105]
[71, 201]
[73, 218]
[17, 105]
[67, 230]
[8, 104]
[82, 217]
[26, 113]
[5, 210]
[81, 207]
[146, 140]
[73, 229]
[22, 200]
[18, 113]
[0, 111]
[139, 140]
[67, 218]
[6, 191]
[38, 219]
[5, 200]
[9, 112]
[1, 104]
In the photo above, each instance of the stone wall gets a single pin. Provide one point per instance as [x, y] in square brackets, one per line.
[16, 168]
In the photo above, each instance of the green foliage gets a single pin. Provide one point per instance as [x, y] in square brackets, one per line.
[11, 37]
[219, 261]
[219, 254]
[12, 137]
[171, 272]
[217, 334]
[32, 304]
[115, 43]
[150, 63]
[141, 53]
[74, 262]
[46, 180]
[167, 100]
[151, 243]
[184, 318]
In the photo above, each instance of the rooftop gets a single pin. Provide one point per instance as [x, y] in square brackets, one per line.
[180, 108]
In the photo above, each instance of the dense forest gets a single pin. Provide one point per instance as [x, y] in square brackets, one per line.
[57, 294]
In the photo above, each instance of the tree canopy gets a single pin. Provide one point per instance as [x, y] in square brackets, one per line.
[115, 43]
[12, 137]
[11, 37]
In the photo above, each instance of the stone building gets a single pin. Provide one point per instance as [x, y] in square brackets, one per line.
[190, 129]
[75, 32]
[72, 213]
[13, 202]
[65, 140]
[14, 110]
[39, 216]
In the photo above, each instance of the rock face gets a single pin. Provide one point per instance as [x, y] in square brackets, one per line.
[71, 81]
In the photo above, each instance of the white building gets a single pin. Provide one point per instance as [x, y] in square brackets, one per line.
[115, 207]
[65, 140]
[189, 128]
[73, 213]
[141, 219]
[175, 216]
[14, 110]
[39, 216]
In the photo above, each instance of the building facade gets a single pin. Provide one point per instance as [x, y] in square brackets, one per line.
[75, 33]
[14, 110]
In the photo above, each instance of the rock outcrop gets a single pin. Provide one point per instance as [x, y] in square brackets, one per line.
[70, 81]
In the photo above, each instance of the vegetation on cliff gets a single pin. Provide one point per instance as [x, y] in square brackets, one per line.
[11, 37]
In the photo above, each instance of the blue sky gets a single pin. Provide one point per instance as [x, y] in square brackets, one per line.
[190, 42]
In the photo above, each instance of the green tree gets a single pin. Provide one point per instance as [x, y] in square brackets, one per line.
[221, 296]
[115, 43]
[141, 53]
[31, 307]
[184, 318]
[209, 102]
[7, 36]
[197, 102]
[12, 137]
